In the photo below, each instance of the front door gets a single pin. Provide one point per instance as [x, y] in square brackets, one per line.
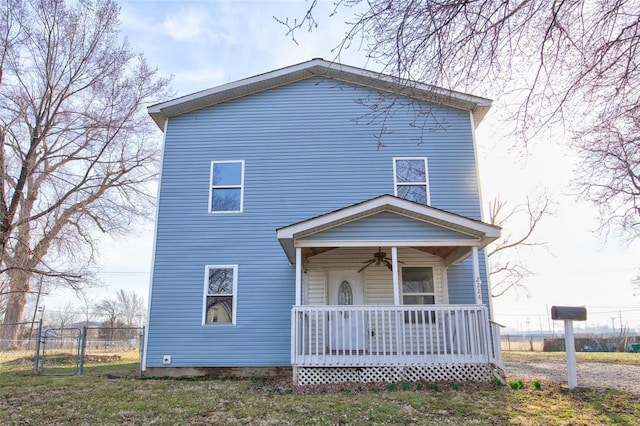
[347, 328]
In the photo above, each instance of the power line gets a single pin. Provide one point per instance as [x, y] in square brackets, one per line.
[123, 273]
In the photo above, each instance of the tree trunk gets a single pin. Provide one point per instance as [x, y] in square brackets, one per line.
[18, 290]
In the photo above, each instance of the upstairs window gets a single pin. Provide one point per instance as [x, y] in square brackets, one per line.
[411, 179]
[220, 290]
[227, 187]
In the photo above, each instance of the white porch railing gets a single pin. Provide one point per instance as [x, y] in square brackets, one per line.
[408, 335]
[496, 350]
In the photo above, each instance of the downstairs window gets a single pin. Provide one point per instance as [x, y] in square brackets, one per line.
[418, 289]
[220, 294]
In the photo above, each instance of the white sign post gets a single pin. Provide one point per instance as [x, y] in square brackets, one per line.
[570, 314]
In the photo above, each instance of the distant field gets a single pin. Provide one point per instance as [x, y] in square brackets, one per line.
[605, 344]
[522, 346]
[613, 357]
[111, 394]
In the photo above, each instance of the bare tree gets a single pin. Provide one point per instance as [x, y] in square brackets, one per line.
[86, 305]
[111, 311]
[610, 176]
[506, 268]
[131, 307]
[4, 295]
[125, 309]
[569, 65]
[62, 316]
[77, 151]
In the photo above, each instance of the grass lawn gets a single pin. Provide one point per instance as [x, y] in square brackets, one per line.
[120, 398]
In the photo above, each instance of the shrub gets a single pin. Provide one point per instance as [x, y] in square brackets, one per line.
[516, 384]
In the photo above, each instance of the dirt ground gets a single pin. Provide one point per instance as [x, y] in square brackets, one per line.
[590, 374]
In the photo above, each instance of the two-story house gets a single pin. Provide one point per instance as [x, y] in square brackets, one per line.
[325, 221]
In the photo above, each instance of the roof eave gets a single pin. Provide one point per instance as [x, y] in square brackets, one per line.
[318, 67]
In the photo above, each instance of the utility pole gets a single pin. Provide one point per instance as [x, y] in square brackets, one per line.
[35, 311]
[620, 315]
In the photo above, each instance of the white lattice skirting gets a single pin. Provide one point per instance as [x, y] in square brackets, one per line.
[436, 373]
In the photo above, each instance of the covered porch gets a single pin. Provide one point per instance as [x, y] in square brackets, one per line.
[393, 343]
[363, 315]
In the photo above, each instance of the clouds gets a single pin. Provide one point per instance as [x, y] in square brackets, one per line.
[191, 24]
[208, 43]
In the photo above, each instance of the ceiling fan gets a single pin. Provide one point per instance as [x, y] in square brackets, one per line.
[380, 258]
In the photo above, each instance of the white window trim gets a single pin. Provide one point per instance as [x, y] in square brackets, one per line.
[206, 294]
[426, 176]
[212, 187]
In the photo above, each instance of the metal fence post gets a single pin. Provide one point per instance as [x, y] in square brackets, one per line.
[141, 350]
[83, 345]
[36, 357]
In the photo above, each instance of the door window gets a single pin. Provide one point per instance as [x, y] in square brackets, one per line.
[345, 294]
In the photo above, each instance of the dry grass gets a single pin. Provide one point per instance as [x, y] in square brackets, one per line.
[607, 357]
[107, 398]
[522, 346]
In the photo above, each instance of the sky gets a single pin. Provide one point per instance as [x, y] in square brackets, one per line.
[203, 44]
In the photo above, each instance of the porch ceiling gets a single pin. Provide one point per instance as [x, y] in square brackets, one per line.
[312, 251]
[392, 222]
[442, 252]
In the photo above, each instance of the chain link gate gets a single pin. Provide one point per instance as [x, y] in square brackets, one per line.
[60, 352]
[72, 350]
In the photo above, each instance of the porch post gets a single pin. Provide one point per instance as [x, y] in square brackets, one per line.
[476, 275]
[396, 281]
[298, 300]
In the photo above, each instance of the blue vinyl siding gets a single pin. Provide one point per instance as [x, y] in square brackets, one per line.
[461, 285]
[387, 226]
[306, 153]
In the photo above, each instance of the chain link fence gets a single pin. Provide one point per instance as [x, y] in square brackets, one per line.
[114, 351]
[103, 351]
[583, 343]
[18, 345]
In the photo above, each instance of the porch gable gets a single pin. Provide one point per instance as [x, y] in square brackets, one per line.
[388, 226]
[389, 221]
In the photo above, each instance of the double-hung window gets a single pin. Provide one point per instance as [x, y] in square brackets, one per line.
[418, 289]
[227, 187]
[220, 294]
[411, 179]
